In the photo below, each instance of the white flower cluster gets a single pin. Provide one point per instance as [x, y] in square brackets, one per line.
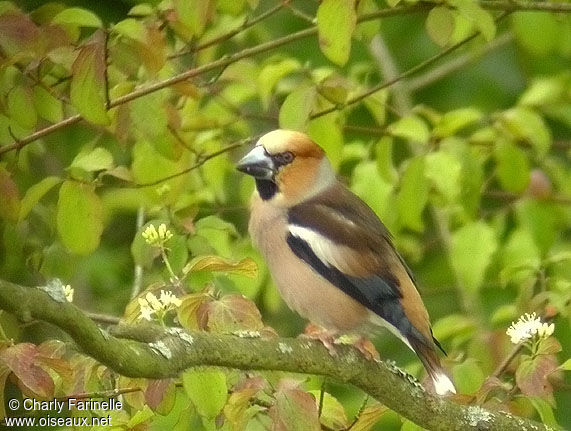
[68, 292]
[150, 304]
[153, 236]
[527, 327]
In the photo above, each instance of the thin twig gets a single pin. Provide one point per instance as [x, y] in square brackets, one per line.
[106, 68]
[507, 196]
[457, 63]
[387, 66]
[198, 164]
[507, 361]
[221, 62]
[138, 273]
[112, 393]
[421, 66]
[229, 35]
[103, 318]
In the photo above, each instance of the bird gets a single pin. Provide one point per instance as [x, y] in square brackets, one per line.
[330, 256]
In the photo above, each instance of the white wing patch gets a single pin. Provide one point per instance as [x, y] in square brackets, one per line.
[323, 247]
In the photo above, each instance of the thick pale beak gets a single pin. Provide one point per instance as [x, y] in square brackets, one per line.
[258, 164]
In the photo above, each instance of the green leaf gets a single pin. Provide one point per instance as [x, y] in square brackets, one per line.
[21, 108]
[206, 389]
[87, 91]
[480, 18]
[79, 217]
[326, 131]
[512, 167]
[504, 314]
[375, 191]
[472, 248]
[453, 325]
[271, 74]
[193, 14]
[334, 88]
[140, 416]
[384, 154]
[440, 25]
[78, 17]
[444, 171]
[295, 111]
[393, 3]
[35, 193]
[542, 220]
[545, 411]
[366, 30]
[410, 426]
[98, 159]
[369, 417]
[149, 116]
[468, 376]
[453, 121]
[543, 91]
[520, 257]
[131, 28]
[246, 266]
[47, 106]
[565, 366]
[537, 33]
[336, 21]
[411, 128]
[333, 414]
[412, 195]
[528, 125]
[9, 197]
[377, 105]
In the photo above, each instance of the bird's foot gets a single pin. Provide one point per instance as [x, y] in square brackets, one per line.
[324, 336]
[367, 348]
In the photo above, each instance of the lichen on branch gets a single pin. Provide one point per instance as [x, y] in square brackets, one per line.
[155, 352]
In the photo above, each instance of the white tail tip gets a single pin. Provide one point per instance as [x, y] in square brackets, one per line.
[442, 384]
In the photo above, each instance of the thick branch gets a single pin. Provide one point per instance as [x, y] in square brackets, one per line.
[154, 352]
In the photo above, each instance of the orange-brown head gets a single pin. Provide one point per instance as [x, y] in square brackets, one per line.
[288, 167]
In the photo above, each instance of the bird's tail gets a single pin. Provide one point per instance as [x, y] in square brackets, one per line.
[429, 358]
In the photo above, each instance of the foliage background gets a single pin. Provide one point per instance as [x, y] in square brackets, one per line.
[466, 162]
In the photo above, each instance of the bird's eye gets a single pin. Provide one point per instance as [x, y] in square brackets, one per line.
[284, 158]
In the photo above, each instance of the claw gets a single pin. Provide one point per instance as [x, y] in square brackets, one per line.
[324, 336]
[367, 348]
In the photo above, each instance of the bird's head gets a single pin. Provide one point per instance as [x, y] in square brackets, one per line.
[288, 167]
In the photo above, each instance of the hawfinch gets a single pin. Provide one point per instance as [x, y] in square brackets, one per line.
[330, 256]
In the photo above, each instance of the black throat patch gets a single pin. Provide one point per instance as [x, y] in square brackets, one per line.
[266, 188]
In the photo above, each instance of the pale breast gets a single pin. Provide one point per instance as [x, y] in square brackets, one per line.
[303, 289]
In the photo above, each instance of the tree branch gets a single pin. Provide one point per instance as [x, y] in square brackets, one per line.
[506, 6]
[150, 351]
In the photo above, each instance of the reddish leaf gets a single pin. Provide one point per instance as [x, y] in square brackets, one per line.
[87, 91]
[549, 346]
[191, 312]
[532, 376]
[18, 33]
[238, 410]
[294, 410]
[22, 360]
[233, 313]
[256, 382]
[160, 395]
[9, 197]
